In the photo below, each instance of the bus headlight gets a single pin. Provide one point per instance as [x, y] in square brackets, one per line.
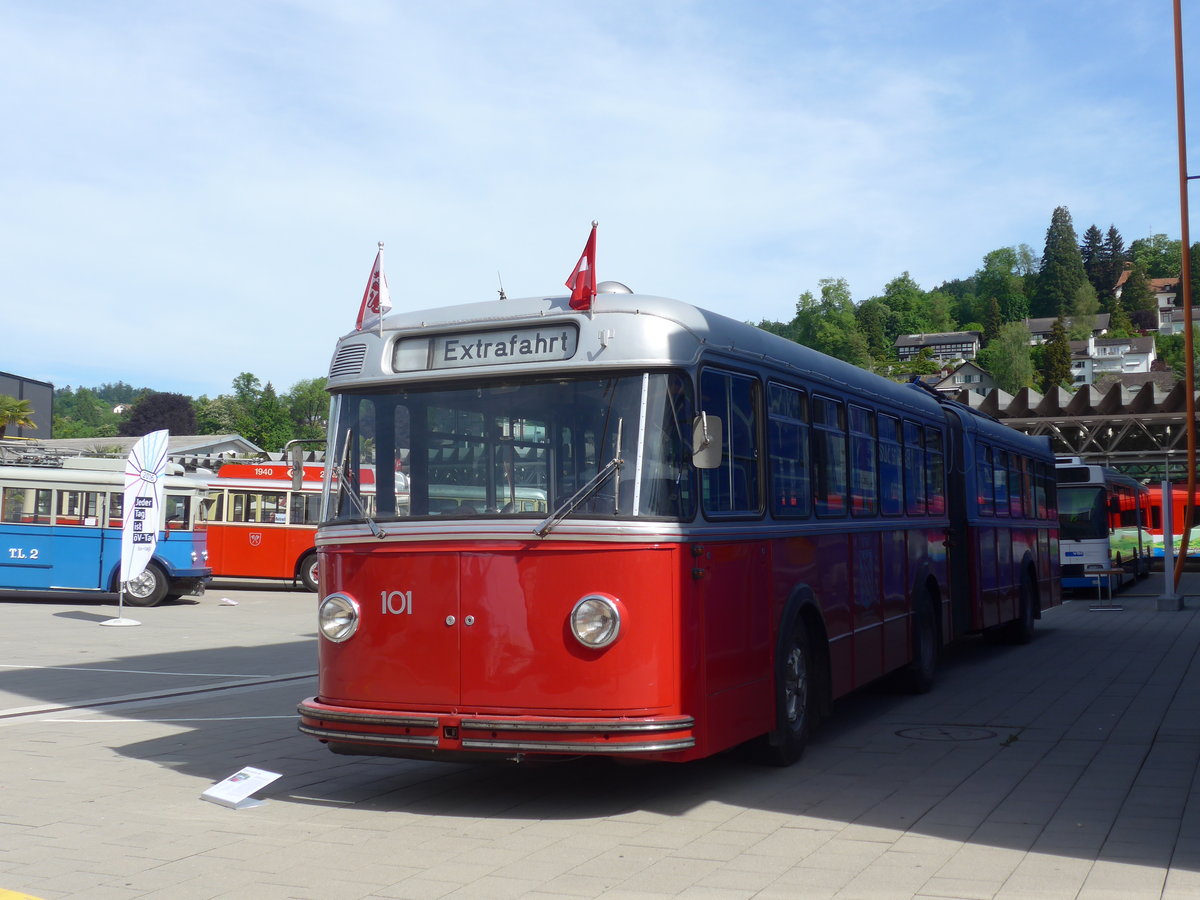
[337, 617]
[596, 621]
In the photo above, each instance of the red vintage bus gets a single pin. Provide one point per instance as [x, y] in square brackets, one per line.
[259, 526]
[1178, 505]
[736, 530]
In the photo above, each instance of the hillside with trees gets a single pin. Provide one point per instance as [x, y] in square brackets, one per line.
[1073, 279]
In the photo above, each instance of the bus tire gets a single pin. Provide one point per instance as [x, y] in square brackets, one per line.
[147, 589]
[308, 570]
[796, 707]
[1020, 630]
[920, 673]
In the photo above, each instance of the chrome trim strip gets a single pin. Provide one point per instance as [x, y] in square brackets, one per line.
[369, 738]
[576, 747]
[589, 726]
[395, 721]
[643, 531]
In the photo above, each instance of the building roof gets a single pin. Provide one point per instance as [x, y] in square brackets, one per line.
[933, 340]
[177, 445]
[1043, 325]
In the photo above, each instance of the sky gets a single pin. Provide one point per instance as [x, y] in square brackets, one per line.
[190, 191]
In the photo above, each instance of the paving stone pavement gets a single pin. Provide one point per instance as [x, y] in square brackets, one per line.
[1066, 768]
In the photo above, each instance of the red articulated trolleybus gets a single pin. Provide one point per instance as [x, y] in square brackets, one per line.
[673, 533]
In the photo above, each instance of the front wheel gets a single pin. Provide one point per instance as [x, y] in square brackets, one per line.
[308, 571]
[795, 701]
[148, 588]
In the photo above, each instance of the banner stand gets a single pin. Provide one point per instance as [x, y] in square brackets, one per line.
[120, 620]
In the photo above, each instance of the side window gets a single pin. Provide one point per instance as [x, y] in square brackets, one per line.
[863, 482]
[984, 481]
[77, 508]
[914, 469]
[788, 448]
[891, 467]
[215, 506]
[733, 486]
[829, 457]
[935, 472]
[1001, 475]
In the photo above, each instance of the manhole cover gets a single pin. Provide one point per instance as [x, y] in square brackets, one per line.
[946, 733]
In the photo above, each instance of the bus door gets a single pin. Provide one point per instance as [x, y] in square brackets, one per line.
[28, 548]
[83, 550]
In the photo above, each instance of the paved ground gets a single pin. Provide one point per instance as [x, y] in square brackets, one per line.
[1063, 769]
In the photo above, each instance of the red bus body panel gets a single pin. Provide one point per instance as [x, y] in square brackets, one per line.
[691, 673]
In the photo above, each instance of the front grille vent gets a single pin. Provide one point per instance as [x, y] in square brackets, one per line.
[348, 360]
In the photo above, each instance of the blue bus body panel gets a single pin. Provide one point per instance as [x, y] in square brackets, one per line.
[48, 557]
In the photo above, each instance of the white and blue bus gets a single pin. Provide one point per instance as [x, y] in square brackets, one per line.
[60, 531]
[1103, 518]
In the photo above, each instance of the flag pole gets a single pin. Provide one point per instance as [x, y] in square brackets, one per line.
[382, 276]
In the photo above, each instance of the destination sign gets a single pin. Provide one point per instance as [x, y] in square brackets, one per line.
[487, 348]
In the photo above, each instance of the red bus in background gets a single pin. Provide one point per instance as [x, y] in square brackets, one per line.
[259, 527]
[1178, 501]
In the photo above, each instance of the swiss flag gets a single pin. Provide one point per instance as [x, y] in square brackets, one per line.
[582, 281]
[377, 300]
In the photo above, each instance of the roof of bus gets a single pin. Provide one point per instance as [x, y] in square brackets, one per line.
[621, 330]
[89, 476]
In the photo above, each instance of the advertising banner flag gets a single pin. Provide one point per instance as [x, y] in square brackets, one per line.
[582, 280]
[377, 299]
[143, 503]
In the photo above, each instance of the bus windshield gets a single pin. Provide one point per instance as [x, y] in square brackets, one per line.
[514, 447]
[1082, 513]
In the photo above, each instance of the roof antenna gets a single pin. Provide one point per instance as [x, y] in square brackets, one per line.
[501, 291]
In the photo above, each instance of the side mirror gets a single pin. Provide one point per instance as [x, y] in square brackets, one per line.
[297, 468]
[706, 441]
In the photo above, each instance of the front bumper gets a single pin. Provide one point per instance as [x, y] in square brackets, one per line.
[438, 735]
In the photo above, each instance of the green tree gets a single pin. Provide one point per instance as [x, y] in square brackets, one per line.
[1137, 296]
[1083, 313]
[15, 413]
[1159, 256]
[1112, 265]
[1061, 271]
[1056, 357]
[999, 279]
[1171, 349]
[1008, 358]
[160, 410]
[1119, 324]
[272, 424]
[829, 324]
[308, 405]
[1091, 250]
[992, 322]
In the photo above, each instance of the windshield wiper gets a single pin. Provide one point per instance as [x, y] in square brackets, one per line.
[340, 473]
[594, 483]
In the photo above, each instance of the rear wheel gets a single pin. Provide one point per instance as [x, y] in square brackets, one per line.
[308, 571]
[1020, 630]
[148, 588]
[921, 670]
[795, 700]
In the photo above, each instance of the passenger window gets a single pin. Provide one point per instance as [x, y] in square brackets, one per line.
[829, 457]
[914, 469]
[862, 462]
[788, 441]
[891, 468]
[733, 486]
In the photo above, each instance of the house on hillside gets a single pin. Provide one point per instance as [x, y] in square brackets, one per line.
[943, 347]
[1095, 357]
[967, 376]
[1040, 329]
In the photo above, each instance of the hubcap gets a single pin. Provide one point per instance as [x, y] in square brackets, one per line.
[795, 686]
[141, 586]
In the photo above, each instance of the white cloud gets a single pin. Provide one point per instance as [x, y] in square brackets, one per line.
[210, 181]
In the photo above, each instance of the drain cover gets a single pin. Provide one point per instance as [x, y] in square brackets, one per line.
[946, 733]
